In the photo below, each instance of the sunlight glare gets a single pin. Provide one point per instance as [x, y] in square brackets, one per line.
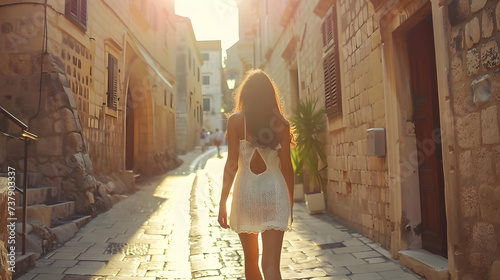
[211, 19]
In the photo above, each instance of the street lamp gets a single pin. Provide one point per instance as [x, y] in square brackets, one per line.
[231, 83]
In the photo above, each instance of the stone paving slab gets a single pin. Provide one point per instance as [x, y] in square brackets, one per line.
[169, 230]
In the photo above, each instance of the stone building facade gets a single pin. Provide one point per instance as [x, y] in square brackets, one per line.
[425, 73]
[213, 84]
[189, 115]
[107, 98]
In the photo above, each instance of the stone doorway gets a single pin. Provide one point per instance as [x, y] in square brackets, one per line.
[139, 147]
[426, 118]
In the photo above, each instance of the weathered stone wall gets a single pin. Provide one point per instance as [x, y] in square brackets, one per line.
[84, 57]
[59, 154]
[304, 57]
[358, 184]
[475, 88]
[102, 133]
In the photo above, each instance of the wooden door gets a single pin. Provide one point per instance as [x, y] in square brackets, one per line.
[420, 41]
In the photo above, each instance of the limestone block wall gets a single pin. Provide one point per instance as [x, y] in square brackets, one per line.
[302, 70]
[59, 154]
[358, 191]
[102, 133]
[310, 54]
[475, 88]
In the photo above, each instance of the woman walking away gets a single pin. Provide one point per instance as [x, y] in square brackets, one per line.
[259, 139]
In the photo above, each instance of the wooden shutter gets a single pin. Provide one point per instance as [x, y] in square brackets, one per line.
[76, 12]
[83, 13]
[333, 97]
[112, 81]
[74, 8]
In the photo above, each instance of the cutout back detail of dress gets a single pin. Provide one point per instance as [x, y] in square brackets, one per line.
[257, 163]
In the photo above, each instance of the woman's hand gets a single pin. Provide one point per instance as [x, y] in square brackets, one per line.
[223, 217]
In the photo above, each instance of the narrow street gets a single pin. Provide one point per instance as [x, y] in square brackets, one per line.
[169, 230]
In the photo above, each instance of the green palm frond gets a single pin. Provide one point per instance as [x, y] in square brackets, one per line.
[310, 126]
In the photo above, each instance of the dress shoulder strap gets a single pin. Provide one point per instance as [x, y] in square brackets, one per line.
[245, 127]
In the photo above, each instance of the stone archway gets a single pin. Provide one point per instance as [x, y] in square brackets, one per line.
[139, 120]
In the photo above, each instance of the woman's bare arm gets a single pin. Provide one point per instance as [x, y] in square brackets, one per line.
[230, 168]
[286, 163]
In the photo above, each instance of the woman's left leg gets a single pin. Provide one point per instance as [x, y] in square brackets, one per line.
[272, 241]
[250, 245]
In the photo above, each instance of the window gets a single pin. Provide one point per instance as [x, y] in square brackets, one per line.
[172, 100]
[76, 12]
[198, 74]
[333, 97]
[165, 94]
[112, 82]
[206, 104]
[206, 56]
[206, 80]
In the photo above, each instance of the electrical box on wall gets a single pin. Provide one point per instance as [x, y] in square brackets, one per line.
[375, 142]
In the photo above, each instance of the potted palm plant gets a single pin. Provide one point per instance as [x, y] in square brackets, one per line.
[310, 126]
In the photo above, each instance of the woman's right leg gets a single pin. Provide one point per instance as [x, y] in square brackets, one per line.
[251, 249]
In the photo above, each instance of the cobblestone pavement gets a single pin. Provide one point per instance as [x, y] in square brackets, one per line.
[169, 230]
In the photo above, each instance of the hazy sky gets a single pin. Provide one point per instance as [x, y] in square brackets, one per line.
[211, 19]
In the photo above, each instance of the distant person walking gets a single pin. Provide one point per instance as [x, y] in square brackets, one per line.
[204, 140]
[259, 139]
[218, 138]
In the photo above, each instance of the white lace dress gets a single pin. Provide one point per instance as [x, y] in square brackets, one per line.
[260, 201]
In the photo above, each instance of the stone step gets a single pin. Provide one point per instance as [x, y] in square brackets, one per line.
[61, 211]
[34, 178]
[66, 229]
[424, 263]
[50, 213]
[78, 220]
[42, 195]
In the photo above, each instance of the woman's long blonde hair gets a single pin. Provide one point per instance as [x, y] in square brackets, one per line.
[258, 98]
